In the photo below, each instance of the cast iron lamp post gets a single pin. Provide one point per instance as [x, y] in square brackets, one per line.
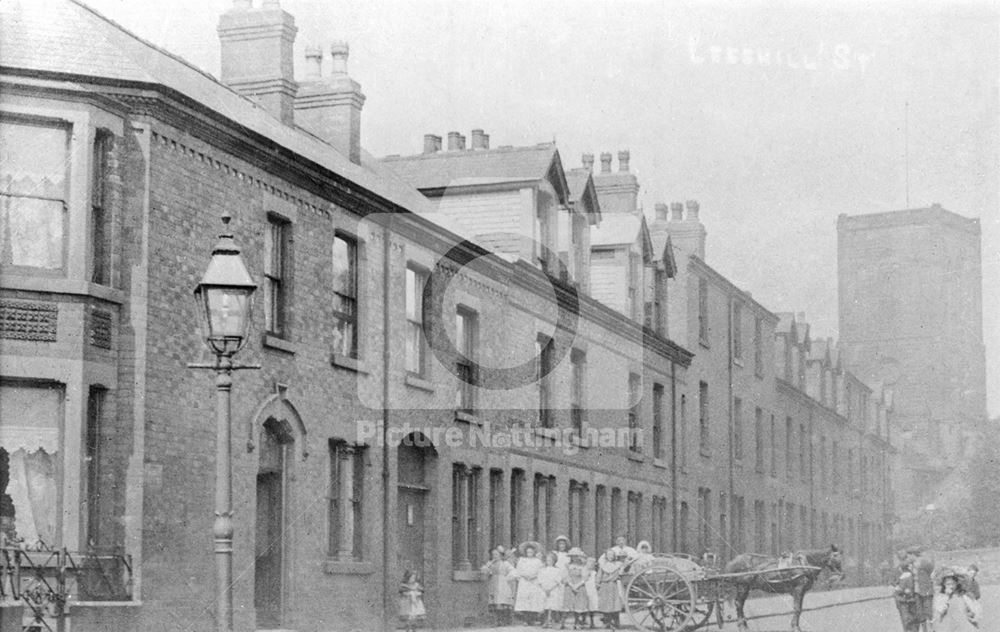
[224, 299]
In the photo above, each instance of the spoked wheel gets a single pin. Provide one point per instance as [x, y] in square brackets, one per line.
[659, 600]
[699, 615]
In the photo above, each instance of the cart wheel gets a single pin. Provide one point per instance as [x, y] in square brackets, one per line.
[659, 599]
[700, 614]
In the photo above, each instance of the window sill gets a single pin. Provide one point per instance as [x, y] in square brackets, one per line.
[660, 463]
[62, 286]
[636, 456]
[469, 418]
[351, 364]
[704, 343]
[356, 567]
[419, 383]
[104, 604]
[272, 341]
[467, 576]
[738, 361]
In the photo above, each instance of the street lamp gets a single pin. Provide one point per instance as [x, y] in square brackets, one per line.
[224, 300]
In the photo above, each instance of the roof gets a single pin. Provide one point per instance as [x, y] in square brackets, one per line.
[617, 229]
[663, 249]
[786, 322]
[582, 191]
[69, 39]
[475, 167]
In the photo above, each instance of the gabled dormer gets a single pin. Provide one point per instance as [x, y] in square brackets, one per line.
[584, 211]
[621, 256]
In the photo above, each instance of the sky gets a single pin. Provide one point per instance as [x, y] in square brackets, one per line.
[777, 116]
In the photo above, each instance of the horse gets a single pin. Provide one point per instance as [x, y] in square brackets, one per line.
[781, 575]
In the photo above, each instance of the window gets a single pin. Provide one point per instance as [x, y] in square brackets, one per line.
[633, 517]
[30, 416]
[758, 434]
[774, 448]
[737, 331]
[544, 488]
[634, 293]
[804, 454]
[577, 498]
[704, 519]
[496, 497]
[738, 428]
[723, 534]
[823, 482]
[789, 448]
[600, 516]
[657, 421]
[660, 301]
[703, 311]
[276, 243]
[543, 351]
[516, 495]
[577, 403]
[465, 508]
[759, 519]
[34, 160]
[416, 352]
[466, 335]
[684, 526]
[835, 457]
[616, 512]
[345, 500]
[345, 296]
[635, 400]
[100, 218]
[758, 347]
[703, 429]
[92, 462]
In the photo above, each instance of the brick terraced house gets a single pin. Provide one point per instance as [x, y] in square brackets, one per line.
[365, 445]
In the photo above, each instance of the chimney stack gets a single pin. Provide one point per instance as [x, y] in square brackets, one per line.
[314, 63]
[692, 211]
[661, 212]
[677, 209]
[480, 140]
[588, 162]
[432, 143]
[257, 56]
[623, 156]
[605, 162]
[330, 107]
[453, 140]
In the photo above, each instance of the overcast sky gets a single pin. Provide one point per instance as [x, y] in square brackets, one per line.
[777, 117]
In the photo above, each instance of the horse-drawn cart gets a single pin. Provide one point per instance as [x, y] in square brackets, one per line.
[675, 593]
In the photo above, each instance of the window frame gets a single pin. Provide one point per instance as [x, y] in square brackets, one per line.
[704, 431]
[337, 505]
[416, 342]
[277, 260]
[465, 364]
[340, 317]
[578, 389]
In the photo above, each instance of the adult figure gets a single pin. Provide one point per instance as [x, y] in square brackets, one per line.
[622, 551]
[953, 609]
[923, 569]
[906, 596]
[609, 593]
[499, 590]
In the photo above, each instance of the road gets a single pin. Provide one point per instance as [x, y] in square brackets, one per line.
[833, 611]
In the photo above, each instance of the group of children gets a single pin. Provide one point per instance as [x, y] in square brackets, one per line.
[548, 588]
[948, 602]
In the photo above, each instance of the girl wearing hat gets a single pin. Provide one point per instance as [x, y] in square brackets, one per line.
[562, 552]
[609, 597]
[530, 598]
[575, 600]
[501, 594]
[954, 611]
[411, 603]
[550, 581]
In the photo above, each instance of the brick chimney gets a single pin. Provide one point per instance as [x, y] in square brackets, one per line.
[588, 162]
[677, 212]
[257, 57]
[623, 156]
[330, 107]
[688, 236]
[662, 211]
[432, 143]
[480, 139]
[605, 162]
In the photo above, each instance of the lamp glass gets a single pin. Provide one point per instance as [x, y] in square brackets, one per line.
[226, 316]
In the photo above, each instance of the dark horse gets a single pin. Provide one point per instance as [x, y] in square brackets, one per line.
[780, 575]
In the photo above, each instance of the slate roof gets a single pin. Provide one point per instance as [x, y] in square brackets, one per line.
[581, 184]
[72, 41]
[618, 229]
[467, 167]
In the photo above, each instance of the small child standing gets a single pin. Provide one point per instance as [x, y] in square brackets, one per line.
[411, 603]
[590, 585]
[550, 581]
[575, 600]
[501, 595]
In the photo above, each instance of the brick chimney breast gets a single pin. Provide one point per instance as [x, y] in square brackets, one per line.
[588, 162]
[677, 211]
[257, 57]
[605, 162]
[623, 157]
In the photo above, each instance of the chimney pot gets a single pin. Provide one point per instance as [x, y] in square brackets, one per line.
[661, 211]
[623, 156]
[461, 141]
[692, 211]
[314, 62]
[340, 51]
[677, 209]
[432, 143]
[479, 139]
[486, 141]
[453, 141]
[605, 162]
[588, 162]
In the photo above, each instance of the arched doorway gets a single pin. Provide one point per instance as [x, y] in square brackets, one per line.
[414, 473]
[270, 539]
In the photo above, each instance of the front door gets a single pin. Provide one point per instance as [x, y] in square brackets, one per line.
[411, 529]
[267, 570]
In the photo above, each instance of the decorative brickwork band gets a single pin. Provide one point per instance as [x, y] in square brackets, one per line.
[35, 322]
[100, 328]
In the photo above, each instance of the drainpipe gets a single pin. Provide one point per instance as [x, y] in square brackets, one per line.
[812, 485]
[732, 453]
[673, 456]
[388, 621]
